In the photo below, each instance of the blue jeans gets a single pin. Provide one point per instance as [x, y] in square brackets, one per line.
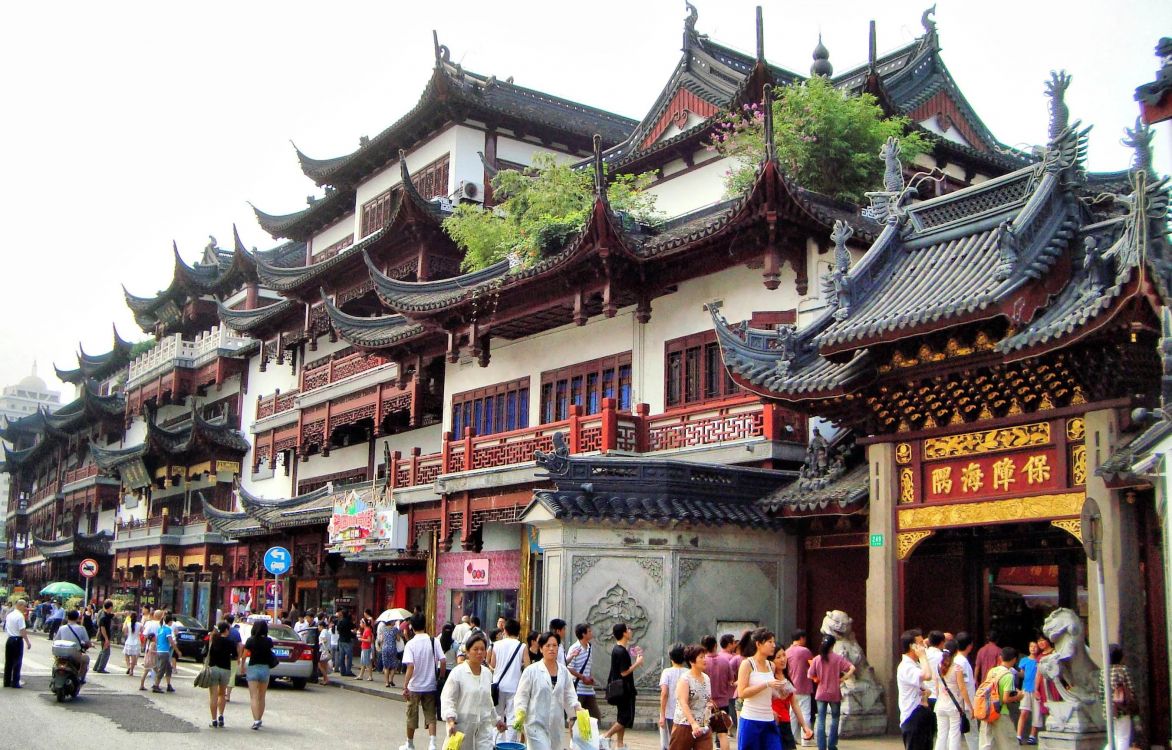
[825, 743]
[346, 658]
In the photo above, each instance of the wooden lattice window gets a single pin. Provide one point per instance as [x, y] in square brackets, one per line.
[432, 180]
[586, 384]
[495, 408]
[694, 371]
[377, 211]
[334, 249]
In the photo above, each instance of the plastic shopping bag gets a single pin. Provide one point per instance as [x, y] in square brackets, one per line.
[585, 739]
[454, 741]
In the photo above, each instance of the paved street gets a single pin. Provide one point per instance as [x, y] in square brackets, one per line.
[111, 709]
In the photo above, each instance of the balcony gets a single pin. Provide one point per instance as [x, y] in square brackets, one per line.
[161, 525]
[736, 420]
[77, 475]
[176, 352]
[319, 374]
[276, 403]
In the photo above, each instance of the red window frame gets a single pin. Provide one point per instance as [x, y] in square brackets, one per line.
[694, 372]
[586, 384]
[501, 407]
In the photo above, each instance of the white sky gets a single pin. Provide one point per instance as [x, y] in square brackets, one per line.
[126, 125]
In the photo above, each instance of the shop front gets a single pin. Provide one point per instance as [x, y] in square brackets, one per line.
[484, 584]
[368, 534]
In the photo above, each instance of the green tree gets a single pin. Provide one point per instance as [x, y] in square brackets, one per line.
[539, 210]
[826, 140]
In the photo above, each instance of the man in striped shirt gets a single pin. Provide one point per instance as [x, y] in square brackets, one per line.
[579, 662]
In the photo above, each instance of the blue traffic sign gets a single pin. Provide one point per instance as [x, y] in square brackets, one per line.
[278, 561]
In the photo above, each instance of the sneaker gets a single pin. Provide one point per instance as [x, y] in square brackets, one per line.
[157, 689]
[256, 725]
[170, 689]
[407, 746]
[220, 721]
[1032, 741]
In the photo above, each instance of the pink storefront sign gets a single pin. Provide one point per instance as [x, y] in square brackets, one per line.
[476, 572]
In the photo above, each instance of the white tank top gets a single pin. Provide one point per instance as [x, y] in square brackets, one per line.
[758, 707]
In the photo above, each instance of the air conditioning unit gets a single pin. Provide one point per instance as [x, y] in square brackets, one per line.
[468, 191]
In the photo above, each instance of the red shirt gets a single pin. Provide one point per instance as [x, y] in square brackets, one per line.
[781, 708]
[365, 639]
[797, 661]
[988, 657]
[720, 673]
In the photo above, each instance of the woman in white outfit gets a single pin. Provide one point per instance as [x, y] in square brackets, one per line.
[952, 698]
[466, 702]
[544, 697]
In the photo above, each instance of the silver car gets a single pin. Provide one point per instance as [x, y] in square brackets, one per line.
[294, 656]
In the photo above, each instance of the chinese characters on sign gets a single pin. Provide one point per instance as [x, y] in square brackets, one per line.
[991, 476]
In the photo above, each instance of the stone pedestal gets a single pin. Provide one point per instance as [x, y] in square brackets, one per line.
[856, 721]
[1072, 740]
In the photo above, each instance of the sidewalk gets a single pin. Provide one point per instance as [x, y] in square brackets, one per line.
[636, 739]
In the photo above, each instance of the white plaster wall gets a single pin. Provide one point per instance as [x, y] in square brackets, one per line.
[335, 233]
[340, 459]
[262, 384]
[701, 187]
[465, 164]
[500, 537]
[106, 519]
[275, 486]
[521, 152]
[427, 439]
[417, 158]
[533, 355]
[672, 316]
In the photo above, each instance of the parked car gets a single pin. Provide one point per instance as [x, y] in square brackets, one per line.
[294, 656]
[192, 637]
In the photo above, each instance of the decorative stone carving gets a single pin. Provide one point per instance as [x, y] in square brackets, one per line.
[863, 713]
[837, 285]
[648, 675]
[582, 565]
[654, 568]
[618, 605]
[1008, 246]
[1074, 675]
[1059, 112]
[822, 465]
[1139, 139]
[688, 566]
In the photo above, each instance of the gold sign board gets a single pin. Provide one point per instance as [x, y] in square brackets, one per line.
[987, 441]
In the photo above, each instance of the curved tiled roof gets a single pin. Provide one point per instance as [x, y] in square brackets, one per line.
[378, 332]
[420, 296]
[846, 493]
[300, 225]
[247, 321]
[97, 366]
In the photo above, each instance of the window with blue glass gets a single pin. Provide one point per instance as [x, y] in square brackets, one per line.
[586, 384]
[495, 408]
[694, 371]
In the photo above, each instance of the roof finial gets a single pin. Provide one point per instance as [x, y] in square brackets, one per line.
[1139, 139]
[34, 368]
[872, 48]
[442, 53]
[928, 19]
[1059, 112]
[821, 66]
[690, 24]
[767, 115]
[760, 36]
[599, 168]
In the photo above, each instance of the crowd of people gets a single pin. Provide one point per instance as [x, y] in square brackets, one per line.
[995, 699]
[494, 687]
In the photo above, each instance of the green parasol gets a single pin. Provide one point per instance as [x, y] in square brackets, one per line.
[63, 588]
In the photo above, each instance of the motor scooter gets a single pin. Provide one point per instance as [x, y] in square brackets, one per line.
[66, 681]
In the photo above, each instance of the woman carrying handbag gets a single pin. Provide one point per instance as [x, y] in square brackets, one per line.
[952, 698]
[690, 730]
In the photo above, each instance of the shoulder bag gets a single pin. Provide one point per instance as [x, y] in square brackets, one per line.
[616, 689]
[204, 678]
[496, 685]
[585, 662]
[965, 726]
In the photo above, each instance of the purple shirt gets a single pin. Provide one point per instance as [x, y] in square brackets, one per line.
[828, 671]
[720, 673]
[797, 664]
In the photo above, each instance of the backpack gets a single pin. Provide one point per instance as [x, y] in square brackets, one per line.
[987, 701]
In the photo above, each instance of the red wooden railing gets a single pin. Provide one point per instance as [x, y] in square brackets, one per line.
[739, 418]
[338, 368]
[85, 472]
[275, 403]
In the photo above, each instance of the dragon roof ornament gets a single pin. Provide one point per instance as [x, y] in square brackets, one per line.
[836, 284]
[1139, 139]
[885, 204]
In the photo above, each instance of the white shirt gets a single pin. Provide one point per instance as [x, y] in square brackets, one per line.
[14, 623]
[908, 679]
[424, 652]
[970, 679]
[545, 706]
[460, 633]
[582, 664]
[935, 656]
[669, 678]
[300, 627]
[467, 698]
[507, 652]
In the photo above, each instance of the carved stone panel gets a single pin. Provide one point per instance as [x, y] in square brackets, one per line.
[654, 568]
[688, 566]
[582, 565]
[618, 605]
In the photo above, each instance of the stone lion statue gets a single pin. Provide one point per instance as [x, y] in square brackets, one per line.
[862, 691]
[1074, 675]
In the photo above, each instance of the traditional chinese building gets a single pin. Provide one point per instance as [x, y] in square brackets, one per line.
[987, 350]
[61, 506]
